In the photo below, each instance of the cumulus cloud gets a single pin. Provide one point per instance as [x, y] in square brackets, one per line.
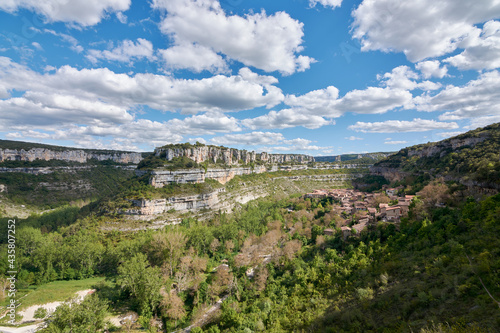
[372, 100]
[216, 94]
[482, 49]
[135, 132]
[194, 57]
[79, 12]
[403, 77]
[285, 119]
[396, 142]
[478, 98]
[321, 102]
[325, 3]
[249, 139]
[375, 100]
[126, 51]
[431, 68]
[267, 141]
[420, 29]
[352, 138]
[268, 42]
[392, 126]
[104, 104]
[449, 134]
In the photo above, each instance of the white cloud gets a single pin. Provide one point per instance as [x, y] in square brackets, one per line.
[321, 102]
[209, 123]
[74, 44]
[481, 51]
[478, 98]
[216, 94]
[403, 77]
[374, 100]
[420, 29]
[268, 42]
[392, 126]
[81, 12]
[249, 139]
[285, 119]
[483, 121]
[194, 57]
[431, 68]
[121, 17]
[37, 45]
[325, 3]
[449, 134]
[395, 142]
[352, 138]
[126, 51]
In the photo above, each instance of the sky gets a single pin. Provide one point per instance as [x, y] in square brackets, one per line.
[316, 77]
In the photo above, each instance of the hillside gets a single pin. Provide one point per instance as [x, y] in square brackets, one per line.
[255, 253]
[354, 158]
[472, 159]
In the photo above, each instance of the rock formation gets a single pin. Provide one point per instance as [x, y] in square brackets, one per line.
[228, 156]
[69, 155]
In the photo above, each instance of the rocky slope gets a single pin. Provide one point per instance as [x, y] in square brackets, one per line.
[472, 159]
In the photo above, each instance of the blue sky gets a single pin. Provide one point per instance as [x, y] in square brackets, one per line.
[320, 77]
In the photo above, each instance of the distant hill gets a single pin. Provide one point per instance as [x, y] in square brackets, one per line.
[18, 145]
[349, 157]
[472, 158]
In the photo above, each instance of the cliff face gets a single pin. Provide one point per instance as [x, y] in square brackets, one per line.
[160, 178]
[229, 156]
[80, 156]
[443, 147]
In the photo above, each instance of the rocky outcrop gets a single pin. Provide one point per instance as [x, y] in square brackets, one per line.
[48, 170]
[391, 174]
[183, 203]
[228, 156]
[160, 178]
[70, 155]
[442, 148]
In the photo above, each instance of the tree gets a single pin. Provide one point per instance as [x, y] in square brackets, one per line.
[142, 281]
[173, 307]
[74, 317]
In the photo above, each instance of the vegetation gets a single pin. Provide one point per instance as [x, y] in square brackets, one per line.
[479, 162]
[276, 264]
[61, 188]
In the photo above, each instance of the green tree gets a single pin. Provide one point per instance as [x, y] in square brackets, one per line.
[74, 317]
[142, 282]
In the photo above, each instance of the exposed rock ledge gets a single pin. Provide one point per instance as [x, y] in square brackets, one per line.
[229, 156]
[160, 178]
[186, 203]
[47, 170]
[69, 155]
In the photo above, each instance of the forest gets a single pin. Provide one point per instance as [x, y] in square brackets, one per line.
[276, 270]
[280, 263]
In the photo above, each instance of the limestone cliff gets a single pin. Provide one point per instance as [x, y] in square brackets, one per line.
[228, 156]
[69, 155]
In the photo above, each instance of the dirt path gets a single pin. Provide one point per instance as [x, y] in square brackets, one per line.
[203, 319]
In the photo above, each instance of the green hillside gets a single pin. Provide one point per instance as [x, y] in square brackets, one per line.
[478, 161]
[281, 263]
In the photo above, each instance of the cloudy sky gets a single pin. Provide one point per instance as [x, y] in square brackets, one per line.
[321, 77]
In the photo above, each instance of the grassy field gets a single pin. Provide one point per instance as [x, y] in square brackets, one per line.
[55, 291]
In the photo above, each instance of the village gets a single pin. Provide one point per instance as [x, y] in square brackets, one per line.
[361, 209]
